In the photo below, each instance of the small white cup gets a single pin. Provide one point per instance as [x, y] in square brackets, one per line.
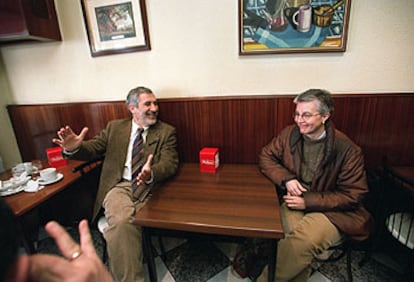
[48, 174]
[18, 171]
[302, 18]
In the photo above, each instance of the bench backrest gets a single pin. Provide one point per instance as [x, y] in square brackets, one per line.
[238, 125]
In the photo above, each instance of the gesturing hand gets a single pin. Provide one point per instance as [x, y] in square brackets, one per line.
[68, 140]
[82, 263]
[145, 173]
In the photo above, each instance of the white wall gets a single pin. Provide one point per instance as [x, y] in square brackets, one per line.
[9, 152]
[195, 53]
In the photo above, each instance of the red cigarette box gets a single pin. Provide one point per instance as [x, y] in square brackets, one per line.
[54, 157]
[209, 160]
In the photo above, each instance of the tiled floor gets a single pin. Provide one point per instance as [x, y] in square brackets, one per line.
[203, 260]
[211, 261]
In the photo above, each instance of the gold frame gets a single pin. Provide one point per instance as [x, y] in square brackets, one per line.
[256, 35]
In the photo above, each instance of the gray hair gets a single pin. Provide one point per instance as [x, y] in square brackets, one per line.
[322, 97]
[133, 95]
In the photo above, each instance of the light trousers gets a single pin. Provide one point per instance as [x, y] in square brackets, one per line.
[123, 239]
[306, 235]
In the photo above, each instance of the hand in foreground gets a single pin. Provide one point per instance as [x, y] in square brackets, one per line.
[68, 140]
[145, 173]
[294, 202]
[82, 263]
[294, 188]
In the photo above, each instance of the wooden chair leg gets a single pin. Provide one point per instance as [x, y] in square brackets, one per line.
[345, 250]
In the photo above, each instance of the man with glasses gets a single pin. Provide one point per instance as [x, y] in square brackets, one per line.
[320, 173]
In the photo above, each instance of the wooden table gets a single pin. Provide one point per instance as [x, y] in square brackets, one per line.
[23, 202]
[236, 201]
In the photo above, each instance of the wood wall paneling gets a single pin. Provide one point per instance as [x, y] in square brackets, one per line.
[239, 126]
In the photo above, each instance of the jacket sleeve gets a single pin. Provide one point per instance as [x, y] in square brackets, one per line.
[165, 162]
[275, 159]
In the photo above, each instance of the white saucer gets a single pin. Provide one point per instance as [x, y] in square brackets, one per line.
[13, 191]
[29, 190]
[13, 188]
[10, 184]
[59, 177]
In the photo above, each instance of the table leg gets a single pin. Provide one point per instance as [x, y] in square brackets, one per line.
[146, 238]
[272, 261]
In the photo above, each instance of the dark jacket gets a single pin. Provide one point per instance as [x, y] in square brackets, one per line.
[339, 184]
[113, 142]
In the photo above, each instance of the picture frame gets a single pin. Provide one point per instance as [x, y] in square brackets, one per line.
[293, 26]
[116, 26]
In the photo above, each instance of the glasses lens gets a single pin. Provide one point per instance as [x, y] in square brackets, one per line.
[305, 116]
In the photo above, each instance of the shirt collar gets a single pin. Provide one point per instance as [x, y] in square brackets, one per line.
[323, 135]
[135, 127]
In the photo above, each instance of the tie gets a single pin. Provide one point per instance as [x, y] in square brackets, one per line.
[137, 158]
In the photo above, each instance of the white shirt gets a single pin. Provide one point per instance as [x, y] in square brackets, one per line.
[134, 132]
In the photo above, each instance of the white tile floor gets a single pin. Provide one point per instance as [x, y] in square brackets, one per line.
[212, 262]
[226, 275]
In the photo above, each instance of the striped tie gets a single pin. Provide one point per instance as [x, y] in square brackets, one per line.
[137, 158]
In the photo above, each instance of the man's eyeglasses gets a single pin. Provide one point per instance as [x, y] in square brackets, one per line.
[304, 116]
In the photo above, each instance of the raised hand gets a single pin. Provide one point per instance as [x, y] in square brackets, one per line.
[68, 140]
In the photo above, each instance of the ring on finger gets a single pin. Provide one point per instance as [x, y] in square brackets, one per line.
[75, 255]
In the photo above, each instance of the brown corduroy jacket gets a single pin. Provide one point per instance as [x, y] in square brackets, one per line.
[339, 184]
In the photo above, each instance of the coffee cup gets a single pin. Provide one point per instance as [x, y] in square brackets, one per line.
[302, 18]
[48, 174]
[296, 3]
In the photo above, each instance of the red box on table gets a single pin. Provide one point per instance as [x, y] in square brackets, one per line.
[54, 157]
[209, 159]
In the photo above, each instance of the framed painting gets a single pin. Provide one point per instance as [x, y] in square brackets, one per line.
[293, 26]
[115, 26]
